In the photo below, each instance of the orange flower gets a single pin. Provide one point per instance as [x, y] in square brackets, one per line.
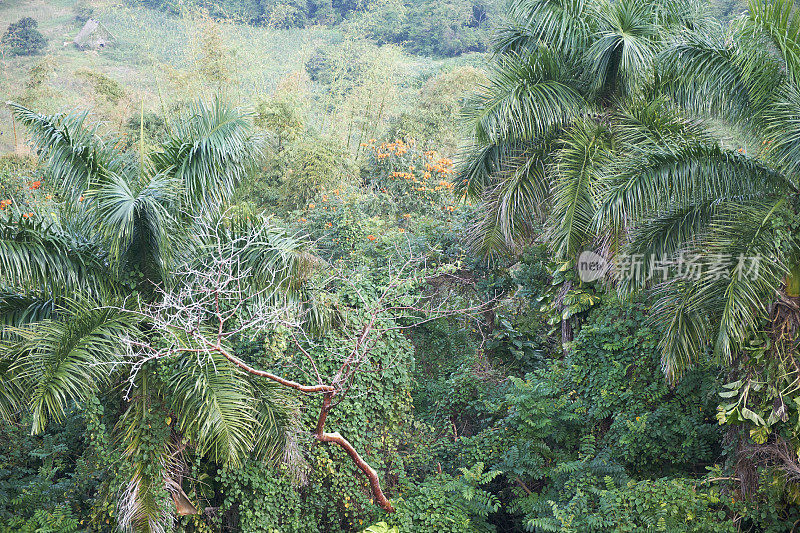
[407, 215]
[401, 230]
[49, 196]
[35, 185]
[302, 220]
[80, 199]
[371, 237]
[312, 206]
[329, 224]
[324, 197]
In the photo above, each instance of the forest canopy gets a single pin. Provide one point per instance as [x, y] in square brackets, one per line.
[394, 266]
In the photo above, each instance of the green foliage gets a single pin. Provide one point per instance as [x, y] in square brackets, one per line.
[440, 103]
[659, 505]
[333, 495]
[426, 28]
[651, 428]
[22, 38]
[381, 527]
[430, 28]
[314, 165]
[103, 86]
[415, 181]
[83, 11]
[446, 503]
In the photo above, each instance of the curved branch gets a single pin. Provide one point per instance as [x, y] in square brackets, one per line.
[336, 437]
[286, 382]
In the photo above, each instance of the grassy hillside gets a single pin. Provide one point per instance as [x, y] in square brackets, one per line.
[159, 59]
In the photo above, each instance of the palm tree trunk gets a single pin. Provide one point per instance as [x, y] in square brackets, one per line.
[567, 330]
[567, 333]
[793, 282]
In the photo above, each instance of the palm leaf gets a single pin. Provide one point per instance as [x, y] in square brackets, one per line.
[38, 255]
[65, 361]
[208, 153]
[214, 405]
[585, 152]
[526, 97]
[135, 223]
[74, 155]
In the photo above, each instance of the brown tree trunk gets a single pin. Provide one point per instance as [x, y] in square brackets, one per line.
[335, 437]
[319, 433]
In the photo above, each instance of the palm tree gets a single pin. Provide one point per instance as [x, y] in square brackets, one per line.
[73, 282]
[596, 122]
[732, 197]
[571, 87]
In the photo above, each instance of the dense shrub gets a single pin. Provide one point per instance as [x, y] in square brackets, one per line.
[23, 38]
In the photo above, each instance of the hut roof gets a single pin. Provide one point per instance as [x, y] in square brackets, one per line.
[93, 35]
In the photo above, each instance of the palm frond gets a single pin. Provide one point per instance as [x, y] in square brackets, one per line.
[782, 132]
[278, 415]
[18, 309]
[642, 125]
[746, 234]
[622, 55]
[715, 310]
[693, 173]
[561, 25]
[64, 361]
[477, 165]
[214, 405]
[526, 97]
[709, 72]
[208, 153]
[75, 156]
[585, 152]
[38, 255]
[778, 19]
[683, 325]
[135, 223]
[511, 206]
[12, 388]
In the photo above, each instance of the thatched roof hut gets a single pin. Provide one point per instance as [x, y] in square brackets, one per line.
[93, 36]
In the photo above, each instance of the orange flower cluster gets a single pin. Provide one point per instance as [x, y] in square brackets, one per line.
[4, 203]
[27, 215]
[35, 185]
[397, 147]
[329, 224]
[443, 166]
[371, 237]
[426, 174]
[406, 175]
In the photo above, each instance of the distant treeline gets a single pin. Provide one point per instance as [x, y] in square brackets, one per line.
[430, 27]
